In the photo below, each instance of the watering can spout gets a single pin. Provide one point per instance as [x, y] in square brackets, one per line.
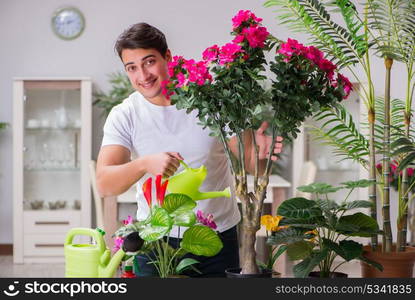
[108, 269]
[207, 195]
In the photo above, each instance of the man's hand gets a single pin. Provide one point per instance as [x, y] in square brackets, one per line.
[264, 143]
[165, 163]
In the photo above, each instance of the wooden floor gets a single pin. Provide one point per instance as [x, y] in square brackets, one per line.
[8, 269]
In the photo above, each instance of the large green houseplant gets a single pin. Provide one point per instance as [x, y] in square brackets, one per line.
[320, 230]
[384, 28]
[225, 88]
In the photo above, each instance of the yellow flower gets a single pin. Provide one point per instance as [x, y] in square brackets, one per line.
[314, 233]
[271, 222]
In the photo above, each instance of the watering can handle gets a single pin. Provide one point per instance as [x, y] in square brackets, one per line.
[184, 164]
[86, 231]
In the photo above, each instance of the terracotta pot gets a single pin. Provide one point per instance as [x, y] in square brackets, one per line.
[395, 264]
[331, 275]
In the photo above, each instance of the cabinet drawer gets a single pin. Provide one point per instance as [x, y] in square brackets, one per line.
[50, 221]
[43, 244]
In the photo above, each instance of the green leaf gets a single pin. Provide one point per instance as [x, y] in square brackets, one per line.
[304, 268]
[286, 236]
[326, 204]
[363, 183]
[186, 219]
[365, 225]
[348, 250]
[299, 250]
[184, 264]
[299, 208]
[160, 224]
[357, 204]
[319, 188]
[371, 262]
[201, 240]
[175, 204]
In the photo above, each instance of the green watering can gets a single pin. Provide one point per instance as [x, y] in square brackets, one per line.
[190, 180]
[88, 260]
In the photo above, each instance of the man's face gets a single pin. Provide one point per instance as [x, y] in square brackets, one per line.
[146, 69]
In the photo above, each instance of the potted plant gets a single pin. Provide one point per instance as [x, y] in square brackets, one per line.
[227, 90]
[172, 209]
[120, 89]
[318, 231]
[384, 28]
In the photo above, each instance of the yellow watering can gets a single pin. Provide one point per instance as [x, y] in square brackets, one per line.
[190, 180]
[94, 260]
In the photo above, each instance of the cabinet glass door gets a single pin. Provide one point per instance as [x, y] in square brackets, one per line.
[52, 132]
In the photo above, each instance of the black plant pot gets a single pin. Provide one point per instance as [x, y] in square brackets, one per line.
[236, 273]
[316, 274]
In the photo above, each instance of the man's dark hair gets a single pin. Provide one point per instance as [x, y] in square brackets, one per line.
[141, 35]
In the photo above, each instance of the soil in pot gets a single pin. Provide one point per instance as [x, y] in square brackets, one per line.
[317, 274]
[395, 264]
[236, 273]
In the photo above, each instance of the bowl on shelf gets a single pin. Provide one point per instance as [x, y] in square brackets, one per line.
[59, 204]
[36, 204]
[77, 204]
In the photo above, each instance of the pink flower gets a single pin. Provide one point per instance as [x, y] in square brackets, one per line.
[128, 221]
[238, 39]
[410, 171]
[228, 52]
[244, 16]
[182, 80]
[313, 54]
[328, 67]
[197, 72]
[291, 47]
[118, 241]
[211, 53]
[347, 85]
[256, 36]
[165, 89]
[207, 221]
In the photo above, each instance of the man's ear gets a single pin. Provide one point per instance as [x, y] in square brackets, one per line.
[167, 56]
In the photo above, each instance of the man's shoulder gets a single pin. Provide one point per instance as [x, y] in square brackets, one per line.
[127, 106]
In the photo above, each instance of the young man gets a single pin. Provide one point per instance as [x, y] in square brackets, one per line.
[145, 135]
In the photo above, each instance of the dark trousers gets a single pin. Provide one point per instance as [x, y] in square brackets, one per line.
[214, 266]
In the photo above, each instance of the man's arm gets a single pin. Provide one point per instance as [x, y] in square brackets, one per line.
[116, 173]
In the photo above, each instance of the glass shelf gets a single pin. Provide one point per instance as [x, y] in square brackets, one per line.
[37, 129]
[52, 170]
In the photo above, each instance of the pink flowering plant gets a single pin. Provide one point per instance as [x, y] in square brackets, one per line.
[200, 237]
[227, 89]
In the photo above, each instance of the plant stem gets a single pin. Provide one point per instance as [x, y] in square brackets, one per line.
[387, 247]
[256, 161]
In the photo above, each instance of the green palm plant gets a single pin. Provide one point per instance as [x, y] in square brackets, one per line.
[120, 89]
[377, 28]
[3, 125]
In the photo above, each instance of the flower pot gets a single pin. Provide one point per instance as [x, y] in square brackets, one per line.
[395, 264]
[236, 273]
[177, 276]
[316, 274]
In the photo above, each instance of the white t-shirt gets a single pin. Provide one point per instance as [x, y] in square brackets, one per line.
[145, 128]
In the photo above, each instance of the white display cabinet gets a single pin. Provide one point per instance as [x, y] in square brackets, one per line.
[51, 154]
[329, 167]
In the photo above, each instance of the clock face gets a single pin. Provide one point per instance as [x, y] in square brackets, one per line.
[68, 23]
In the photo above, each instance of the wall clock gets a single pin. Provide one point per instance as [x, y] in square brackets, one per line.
[68, 23]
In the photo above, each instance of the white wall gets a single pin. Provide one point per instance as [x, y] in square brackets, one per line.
[28, 47]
